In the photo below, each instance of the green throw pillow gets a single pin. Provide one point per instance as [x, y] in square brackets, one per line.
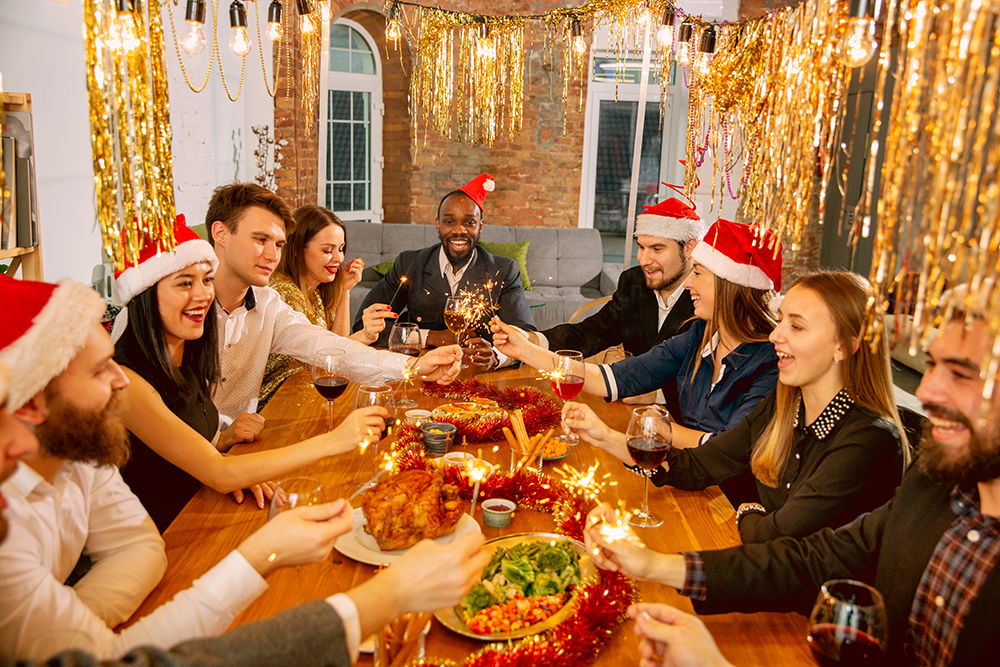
[515, 251]
[384, 267]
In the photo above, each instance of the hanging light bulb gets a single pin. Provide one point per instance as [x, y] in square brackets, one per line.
[392, 27]
[305, 16]
[274, 21]
[706, 48]
[684, 37]
[576, 35]
[194, 41]
[857, 44]
[665, 36]
[239, 41]
[485, 45]
[125, 35]
[324, 10]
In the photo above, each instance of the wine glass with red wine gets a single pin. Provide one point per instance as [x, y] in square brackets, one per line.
[380, 395]
[456, 318]
[847, 625]
[648, 439]
[567, 377]
[328, 377]
[404, 338]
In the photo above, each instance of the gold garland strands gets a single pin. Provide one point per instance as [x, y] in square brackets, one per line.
[130, 128]
[4, 194]
[938, 210]
[311, 43]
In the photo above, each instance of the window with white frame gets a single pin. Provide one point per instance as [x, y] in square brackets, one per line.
[351, 131]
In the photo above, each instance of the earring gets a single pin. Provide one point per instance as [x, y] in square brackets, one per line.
[836, 361]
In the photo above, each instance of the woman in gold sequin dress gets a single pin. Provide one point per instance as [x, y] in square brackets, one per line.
[312, 278]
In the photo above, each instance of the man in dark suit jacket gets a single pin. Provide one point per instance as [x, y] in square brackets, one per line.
[650, 304]
[453, 267]
[932, 551]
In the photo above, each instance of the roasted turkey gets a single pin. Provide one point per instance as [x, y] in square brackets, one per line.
[409, 507]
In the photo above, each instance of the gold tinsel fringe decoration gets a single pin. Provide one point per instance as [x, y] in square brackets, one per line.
[311, 43]
[130, 132]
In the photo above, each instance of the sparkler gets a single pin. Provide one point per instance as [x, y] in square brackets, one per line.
[402, 281]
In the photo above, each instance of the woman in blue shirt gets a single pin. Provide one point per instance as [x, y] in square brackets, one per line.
[713, 374]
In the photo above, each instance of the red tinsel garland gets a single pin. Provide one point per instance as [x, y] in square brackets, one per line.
[540, 411]
[600, 605]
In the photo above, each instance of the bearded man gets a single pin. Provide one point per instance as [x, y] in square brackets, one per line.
[931, 551]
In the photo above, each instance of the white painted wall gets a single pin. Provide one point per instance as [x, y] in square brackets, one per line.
[42, 53]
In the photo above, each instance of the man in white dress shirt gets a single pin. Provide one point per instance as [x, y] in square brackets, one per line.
[69, 499]
[247, 226]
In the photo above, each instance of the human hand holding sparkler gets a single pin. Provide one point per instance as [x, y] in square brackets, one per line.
[509, 340]
[672, 637]
[614, 546]
[363, 425]
[580, 420]
[441, 365]
[373, 318]
[481, 353]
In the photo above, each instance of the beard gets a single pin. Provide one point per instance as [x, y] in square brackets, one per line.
[666, 281]
[979, 462]
[88, 436]
[458, 261]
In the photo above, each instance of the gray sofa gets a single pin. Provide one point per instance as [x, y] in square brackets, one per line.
[565, 265]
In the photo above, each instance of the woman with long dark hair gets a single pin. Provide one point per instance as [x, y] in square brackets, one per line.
[167, 344]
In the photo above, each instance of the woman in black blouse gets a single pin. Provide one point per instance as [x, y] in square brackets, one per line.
[825, 447]
[166, 341]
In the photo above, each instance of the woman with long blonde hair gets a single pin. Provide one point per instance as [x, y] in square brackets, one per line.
[826, 446]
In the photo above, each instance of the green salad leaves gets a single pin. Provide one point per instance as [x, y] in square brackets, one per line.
[526, 570]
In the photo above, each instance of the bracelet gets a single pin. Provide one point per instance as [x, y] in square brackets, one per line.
[749, 508]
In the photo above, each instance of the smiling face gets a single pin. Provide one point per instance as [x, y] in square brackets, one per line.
[251, 250]
[960, 446]
[324, 254]
[701, 285]
[663, 261]
[806, 341]
[15, 441]
[183, 299]
[459, 224]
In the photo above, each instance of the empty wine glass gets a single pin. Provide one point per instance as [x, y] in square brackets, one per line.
[567, 377]
[295, 492]
[648, 439]
[456, 318]
[847, 625]
[404, 338]
[328, 377]
[380, 395]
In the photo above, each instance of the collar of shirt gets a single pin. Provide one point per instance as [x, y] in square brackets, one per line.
[834, 411]
[26, 481]
[249, 302]
[453, 277]
[965, 502]
[663, 309]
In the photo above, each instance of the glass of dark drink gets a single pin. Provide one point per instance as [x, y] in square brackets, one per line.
[567, 377]
[456, 318]
[380, 395]
[404, 338]
[847, 625]
[648, 439]
[328, 377]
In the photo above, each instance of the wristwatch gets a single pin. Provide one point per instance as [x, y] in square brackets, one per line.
[748, 508]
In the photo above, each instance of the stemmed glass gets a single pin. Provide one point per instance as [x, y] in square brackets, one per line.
[380, 395]
[456, 318]
[648, 439]
[295, 492]
[404, 338]
[847, 625]
[567, 377]
[327, 376]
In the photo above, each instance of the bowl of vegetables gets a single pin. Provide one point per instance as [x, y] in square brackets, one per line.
[529, 587]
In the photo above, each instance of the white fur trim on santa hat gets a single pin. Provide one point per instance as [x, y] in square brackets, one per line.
[56, 336]
[136, 279]
[489, 185]
[723, 266]
[675, 229]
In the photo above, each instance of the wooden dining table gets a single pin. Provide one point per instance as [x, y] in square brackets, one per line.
[212, 525]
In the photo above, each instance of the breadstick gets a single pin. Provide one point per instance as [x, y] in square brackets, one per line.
[510, 439]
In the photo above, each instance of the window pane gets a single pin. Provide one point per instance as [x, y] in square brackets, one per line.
[341, 197]
[329, 196]
[367, 64]
[360, 152]
[615, 139]
[360, 102]
[340, 60]
[340, 36]
[340, 145]
[340, 105]
[607, 66]
[360, 197]
[358, 42]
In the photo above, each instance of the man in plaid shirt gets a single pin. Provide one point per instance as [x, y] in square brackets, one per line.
[930, 551]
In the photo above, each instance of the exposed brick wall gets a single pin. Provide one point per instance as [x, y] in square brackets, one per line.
[296, 177]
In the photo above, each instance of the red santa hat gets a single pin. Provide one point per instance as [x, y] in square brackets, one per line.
[741, 254]
[670, 219]
[43, 328]
[155, 264]
[478, 188]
